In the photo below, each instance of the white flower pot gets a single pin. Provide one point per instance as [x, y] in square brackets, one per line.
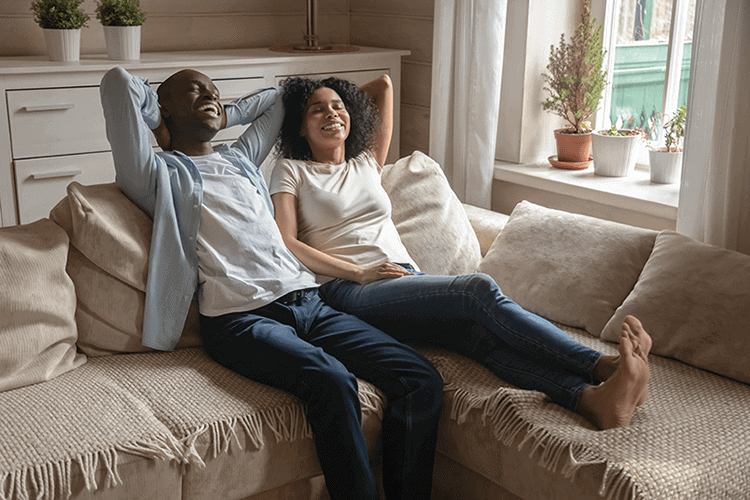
[614, 156]
[123, 42]
[63, 45]
[665, 167]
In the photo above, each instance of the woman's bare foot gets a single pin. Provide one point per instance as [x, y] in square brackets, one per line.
[612, 403]
[641, 340]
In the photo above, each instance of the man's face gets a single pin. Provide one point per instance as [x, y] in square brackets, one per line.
[191, 105]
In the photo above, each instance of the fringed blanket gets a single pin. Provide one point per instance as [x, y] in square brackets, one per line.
[690, 440]
[153, 405]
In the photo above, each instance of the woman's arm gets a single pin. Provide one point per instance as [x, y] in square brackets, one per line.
[285, 207]
[381, 91]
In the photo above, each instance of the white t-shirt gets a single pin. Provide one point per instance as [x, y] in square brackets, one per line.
[342, 210]
[243, 263]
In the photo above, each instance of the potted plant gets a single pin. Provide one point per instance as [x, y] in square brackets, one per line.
[61, 21]
[665, 163]
[122, 20]
[616, 151]
[575, 80]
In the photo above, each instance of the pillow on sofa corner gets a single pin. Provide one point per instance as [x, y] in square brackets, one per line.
[37, 306]
[429, 217]
[568, 268]
[110, 242]
[694, 300]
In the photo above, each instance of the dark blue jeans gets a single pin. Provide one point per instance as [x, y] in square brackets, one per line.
[309, 349]
[470, 315]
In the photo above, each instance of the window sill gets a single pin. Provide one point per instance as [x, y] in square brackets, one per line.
[634, 193]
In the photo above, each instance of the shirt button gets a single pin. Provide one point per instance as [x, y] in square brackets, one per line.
[195, 207]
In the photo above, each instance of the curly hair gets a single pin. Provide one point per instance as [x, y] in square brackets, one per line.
[364, 117]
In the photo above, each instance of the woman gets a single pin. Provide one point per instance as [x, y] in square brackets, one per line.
[335, 217]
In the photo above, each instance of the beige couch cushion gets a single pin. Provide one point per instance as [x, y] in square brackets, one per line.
[429, 217]
[110, 242]
[694, 300]
[569, 268]
[37, 306]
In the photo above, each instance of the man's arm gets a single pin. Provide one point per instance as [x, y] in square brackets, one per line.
[265, 111]
[131, 110]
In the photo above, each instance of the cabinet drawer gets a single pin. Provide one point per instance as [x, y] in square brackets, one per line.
[46, 122]
[41, 182]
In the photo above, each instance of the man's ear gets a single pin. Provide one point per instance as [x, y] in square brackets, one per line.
[164, 112]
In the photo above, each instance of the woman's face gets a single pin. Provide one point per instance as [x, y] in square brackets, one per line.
[326, 121]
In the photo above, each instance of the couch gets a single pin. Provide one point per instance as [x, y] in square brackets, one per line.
[86, 412]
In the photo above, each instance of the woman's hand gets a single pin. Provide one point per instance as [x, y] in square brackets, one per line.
[386, 270]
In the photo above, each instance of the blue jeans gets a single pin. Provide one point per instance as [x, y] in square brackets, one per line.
[305, 347]
[470, 315]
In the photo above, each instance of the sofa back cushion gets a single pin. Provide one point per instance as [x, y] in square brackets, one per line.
[37, 306]
[694, 300]
[110, 241]
[569, 268]
[429, 217]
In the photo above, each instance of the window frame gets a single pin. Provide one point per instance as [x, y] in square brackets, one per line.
[675, 52]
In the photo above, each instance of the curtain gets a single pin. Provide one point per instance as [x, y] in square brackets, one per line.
[467, 60]
[714, 202]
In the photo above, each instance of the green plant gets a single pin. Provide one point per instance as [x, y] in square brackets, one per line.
[574, 77]
[614, 131]
[120, 13]
[59, 14]
[675, 128]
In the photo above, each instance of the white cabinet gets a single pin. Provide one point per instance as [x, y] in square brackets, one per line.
[52, 132]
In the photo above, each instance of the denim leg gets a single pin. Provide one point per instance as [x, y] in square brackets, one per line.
[315, 353]
[470, 314]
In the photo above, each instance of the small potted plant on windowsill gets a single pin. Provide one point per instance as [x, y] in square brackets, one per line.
[575, 80]
[616, 151]
[665, 163]
[122, 20]
[61, 21]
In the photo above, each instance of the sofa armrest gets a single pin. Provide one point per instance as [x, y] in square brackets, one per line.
[486, 223]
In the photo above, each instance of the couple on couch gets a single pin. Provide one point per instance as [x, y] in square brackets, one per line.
[263, 311]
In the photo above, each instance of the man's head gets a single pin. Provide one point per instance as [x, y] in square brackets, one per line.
[190, 107]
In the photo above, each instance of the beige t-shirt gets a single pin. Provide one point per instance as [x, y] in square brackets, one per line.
[342, 210]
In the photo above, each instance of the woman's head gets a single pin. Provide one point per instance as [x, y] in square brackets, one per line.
[293, 139]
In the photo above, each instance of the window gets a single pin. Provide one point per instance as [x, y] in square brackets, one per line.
[648, 45]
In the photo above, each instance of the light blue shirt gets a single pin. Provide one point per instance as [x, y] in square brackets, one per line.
[168, 188]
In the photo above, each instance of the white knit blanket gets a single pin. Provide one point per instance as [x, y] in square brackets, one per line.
[690, 440]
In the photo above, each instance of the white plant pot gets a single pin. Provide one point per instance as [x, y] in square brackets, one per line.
[665, 167]
[63, 45]
[123, 42]
[614, 156]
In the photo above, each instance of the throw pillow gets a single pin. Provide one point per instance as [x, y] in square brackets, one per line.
[37, 306]
[568, 268]
[429, 217]
[694, 300]
[110, 242]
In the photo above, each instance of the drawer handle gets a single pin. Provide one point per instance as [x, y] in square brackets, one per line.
[54, 175]
[49, 107]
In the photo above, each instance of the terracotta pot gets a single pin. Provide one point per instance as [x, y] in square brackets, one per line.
[572, 147]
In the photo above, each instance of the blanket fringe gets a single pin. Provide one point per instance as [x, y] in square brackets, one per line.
[554, 454]
[52, 480]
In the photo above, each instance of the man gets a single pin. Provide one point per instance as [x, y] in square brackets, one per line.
[214, 234]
